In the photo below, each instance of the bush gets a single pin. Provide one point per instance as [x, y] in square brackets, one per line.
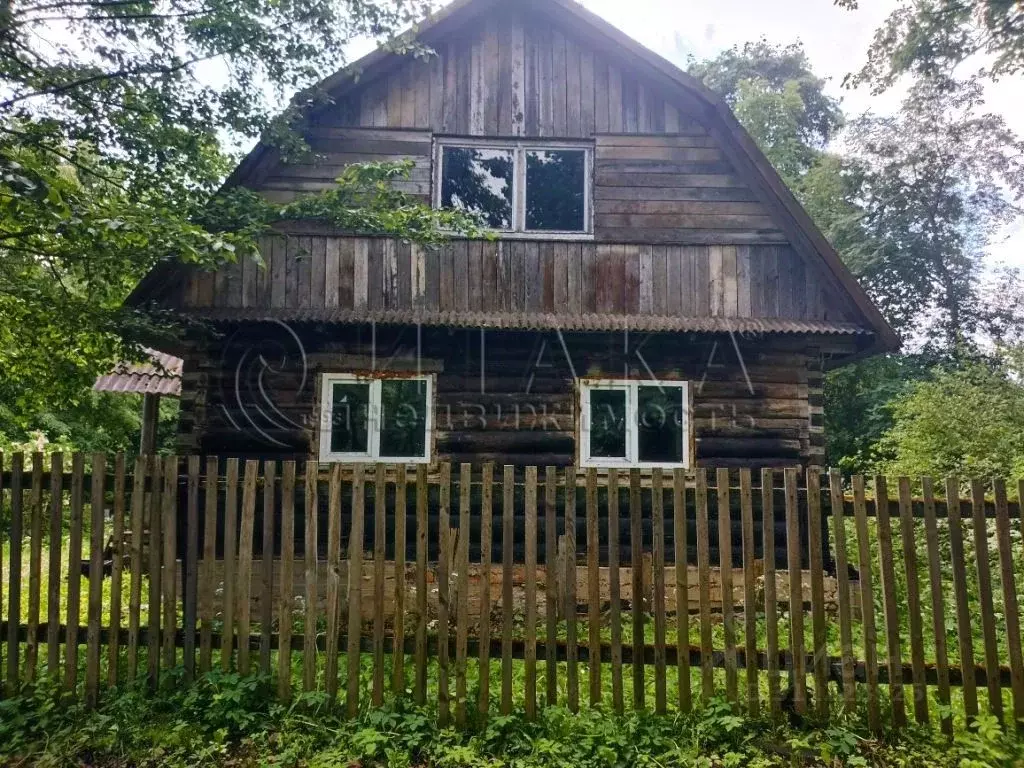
[227, 719]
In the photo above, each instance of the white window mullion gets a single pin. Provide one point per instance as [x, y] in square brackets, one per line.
[632, 430]
[373, 427]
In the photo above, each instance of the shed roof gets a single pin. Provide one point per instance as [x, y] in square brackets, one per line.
[160, 376]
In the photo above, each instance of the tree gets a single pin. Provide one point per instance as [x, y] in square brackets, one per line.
[118, 123]
[966, 422]
[939, 179]
[930, 38]
[807, 114]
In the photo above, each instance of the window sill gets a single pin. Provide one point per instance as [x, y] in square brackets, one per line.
[369, 460]
[568, 237]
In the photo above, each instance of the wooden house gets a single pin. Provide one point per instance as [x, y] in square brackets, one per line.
[654, 295]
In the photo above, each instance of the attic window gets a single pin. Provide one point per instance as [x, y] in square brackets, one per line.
[525, 188]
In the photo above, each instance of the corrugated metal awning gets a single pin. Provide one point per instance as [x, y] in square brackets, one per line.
[162, 376]
[535, 321]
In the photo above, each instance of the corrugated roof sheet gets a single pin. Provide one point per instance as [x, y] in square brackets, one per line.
[162, 376]
[536, 321]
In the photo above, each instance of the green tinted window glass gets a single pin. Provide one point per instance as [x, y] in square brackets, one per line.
[350, 408]
[660, 417]
[554, 190]
[403, 427]
[608, 423]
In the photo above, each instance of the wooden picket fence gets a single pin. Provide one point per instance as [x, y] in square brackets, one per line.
[476, 587]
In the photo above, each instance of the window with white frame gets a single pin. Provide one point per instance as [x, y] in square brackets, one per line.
[366, 419]
[634, 423]
[520, 187]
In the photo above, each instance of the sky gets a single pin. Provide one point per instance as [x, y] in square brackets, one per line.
[836, 41]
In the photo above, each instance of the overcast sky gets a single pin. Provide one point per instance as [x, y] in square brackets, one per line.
[835, 40]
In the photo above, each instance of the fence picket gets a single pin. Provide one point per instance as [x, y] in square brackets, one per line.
[143, 468]
[964, 626]
[749, 592]
[284, 621]
[169, 579]
[398, 625]
[938, 599]
[988, 619]
[725, 580]
[508, 499]
[379, 551]
[797, 649]
[154, 557]
[814, 555]
[333, 594]
[770, 589]
[679, 536]
[572, 680]
[530, 589]
[35, 567]
[867, 603]
[355, 589]
[54, 579]
[244, 574]
[615, 589]
[311, 514]
[891, 611]
[462, 591]
[1011, 610]
[191, 566]
[593, 590]
[444, 567]
[913, 601]
[16, 542]
[835, 485]
[267, 566]
[207, 576]
[486, 544]
[420, 652]
[550, 586]
[658, 555]
[230, 563]
[637, 592]
[707, 679]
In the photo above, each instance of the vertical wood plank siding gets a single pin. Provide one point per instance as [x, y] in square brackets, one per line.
[502, 277]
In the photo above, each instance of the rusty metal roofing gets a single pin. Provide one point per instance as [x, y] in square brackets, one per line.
[536, 321]
[161, 376]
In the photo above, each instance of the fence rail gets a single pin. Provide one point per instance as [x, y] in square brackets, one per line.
[480, 587]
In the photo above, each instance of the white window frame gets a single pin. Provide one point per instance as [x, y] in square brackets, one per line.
[631, 388]
[519, 149]
[372, 454]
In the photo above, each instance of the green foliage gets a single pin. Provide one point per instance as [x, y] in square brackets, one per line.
[857, 412]
[112, 152]
[966, 422]
[228, 719]
[925, 38]
[940, 178]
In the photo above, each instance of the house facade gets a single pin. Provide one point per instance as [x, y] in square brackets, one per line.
[652, 296]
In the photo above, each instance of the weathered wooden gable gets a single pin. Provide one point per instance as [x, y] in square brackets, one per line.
[659, 175]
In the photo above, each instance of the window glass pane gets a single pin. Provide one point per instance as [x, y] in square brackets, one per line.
[607, 423]
[660, 416]
[350, 417]
[554, 190]
[403, 427]
[479, 181]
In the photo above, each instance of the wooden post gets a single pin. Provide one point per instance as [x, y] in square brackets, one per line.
[150, 421]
